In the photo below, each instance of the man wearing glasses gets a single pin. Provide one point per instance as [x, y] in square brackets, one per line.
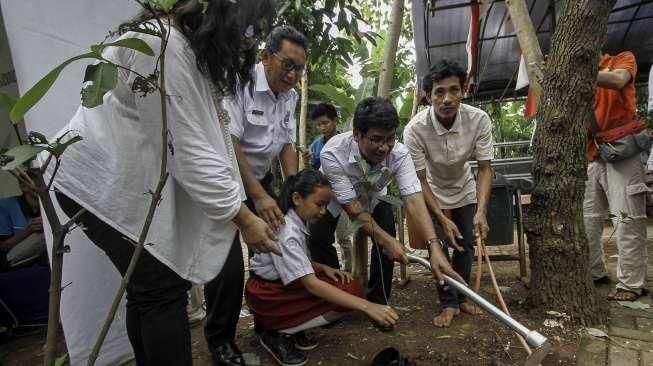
[360, 165]
[442, 139]
[262, 128]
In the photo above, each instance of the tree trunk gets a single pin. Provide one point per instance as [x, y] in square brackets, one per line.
[390, 52]
[559, 254]
[303, 115]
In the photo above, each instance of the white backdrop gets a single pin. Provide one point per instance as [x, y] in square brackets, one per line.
[42, 34]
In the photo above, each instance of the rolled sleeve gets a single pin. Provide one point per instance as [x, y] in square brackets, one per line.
[343, 189]
[484, 146]
[406, 176]
[415, 148]
[294, 263]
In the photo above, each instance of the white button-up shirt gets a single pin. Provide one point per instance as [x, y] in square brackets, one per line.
[262, 122]
[294, 264]
[338, 163]
[111, 170]
[445, 153]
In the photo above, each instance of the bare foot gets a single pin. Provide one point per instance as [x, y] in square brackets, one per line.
[444, 319]
[470, 308]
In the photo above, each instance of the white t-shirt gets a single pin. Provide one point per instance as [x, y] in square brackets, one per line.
[445, 153]
[111, 170]
[338, 163]
[262, 122]
[294, 263]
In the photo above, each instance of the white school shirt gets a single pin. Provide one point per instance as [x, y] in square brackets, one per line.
[338, 163]
[262, 122]
[445, 153]
[111, 170]
[294, 264]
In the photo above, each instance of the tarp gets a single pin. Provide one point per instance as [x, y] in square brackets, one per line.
[441, 29]
[42, 34]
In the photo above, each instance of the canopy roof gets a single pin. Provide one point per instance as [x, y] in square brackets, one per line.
[441, 29]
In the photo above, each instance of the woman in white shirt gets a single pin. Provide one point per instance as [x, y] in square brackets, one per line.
[289, 294]
[109, 172]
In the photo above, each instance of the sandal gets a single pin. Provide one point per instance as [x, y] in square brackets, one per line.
[623, 295]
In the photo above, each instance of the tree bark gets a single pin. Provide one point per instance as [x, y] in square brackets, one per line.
[390, 52]
[559, 254]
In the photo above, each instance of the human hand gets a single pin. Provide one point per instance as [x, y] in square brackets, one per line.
[35, 225]
[335, 274]
[382, 314]
[268, 210]
[258, 235]
[452, 232]
[394, 250]
[481, 227]
[306, 155]
[440, 265]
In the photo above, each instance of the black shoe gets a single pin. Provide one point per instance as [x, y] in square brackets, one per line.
[227, 354]
[305, 341]
[282, 349]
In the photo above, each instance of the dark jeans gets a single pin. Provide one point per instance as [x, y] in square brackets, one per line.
[157, 322]
[463, 217]
[320, 244]
[224, 294]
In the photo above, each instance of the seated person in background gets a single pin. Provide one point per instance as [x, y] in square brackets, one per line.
[325, 118]
[289, 294]
[360, 166]
[442, 139]
[21, 230]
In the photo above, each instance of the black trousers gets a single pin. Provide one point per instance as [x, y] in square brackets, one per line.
[224, 294]
[322, 237]
[463, 217]
[157, 322]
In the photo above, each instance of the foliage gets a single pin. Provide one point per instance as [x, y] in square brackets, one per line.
[509, 124]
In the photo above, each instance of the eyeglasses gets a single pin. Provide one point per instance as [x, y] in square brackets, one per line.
[288, 65]
[441, 93]
[380, 140]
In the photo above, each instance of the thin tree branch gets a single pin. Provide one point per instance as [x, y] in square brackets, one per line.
[54, 173]
[66, 227]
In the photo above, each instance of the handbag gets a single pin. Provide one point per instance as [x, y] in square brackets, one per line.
[622, 142]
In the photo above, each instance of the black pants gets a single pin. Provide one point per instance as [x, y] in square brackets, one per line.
[157, 322]
[320, 244]
[224, 294]
[463, 217]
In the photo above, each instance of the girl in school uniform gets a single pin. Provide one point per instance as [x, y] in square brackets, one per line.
[289, 294]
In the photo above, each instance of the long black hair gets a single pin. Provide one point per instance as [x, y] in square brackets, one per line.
[215, 35]
[305, 182]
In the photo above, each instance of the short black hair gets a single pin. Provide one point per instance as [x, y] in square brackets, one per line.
[442, 70]
[324, 109]
[375, 112]
[287, 32]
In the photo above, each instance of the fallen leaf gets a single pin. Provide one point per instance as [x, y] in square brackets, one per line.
[251, 359]
[352, 356]
[597, 333]
[443, 337]
[634, 304]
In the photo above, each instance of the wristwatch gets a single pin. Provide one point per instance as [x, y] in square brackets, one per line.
[434, 241]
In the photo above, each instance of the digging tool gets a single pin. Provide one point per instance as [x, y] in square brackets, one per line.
[537, 341]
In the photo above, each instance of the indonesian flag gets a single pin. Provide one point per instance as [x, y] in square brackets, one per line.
[478, 11]
[522, 82]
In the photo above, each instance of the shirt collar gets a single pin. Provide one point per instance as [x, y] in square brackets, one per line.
[261, 83]
[439, 128]
[297, 221]
[354, 152]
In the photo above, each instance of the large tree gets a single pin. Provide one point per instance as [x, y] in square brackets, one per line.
[560, 275]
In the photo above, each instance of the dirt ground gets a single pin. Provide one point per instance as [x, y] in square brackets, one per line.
[471, 340]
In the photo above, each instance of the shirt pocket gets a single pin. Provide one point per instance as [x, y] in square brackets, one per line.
[256, 131]
[284, 132]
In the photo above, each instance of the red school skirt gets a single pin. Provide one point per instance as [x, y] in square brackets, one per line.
[277, 307]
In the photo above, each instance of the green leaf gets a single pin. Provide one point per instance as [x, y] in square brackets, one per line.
[61, 360]
[136, 44]
[103, 77]
[7, 100]
[164, 5]
[59, 147]
[335, 95]
[362, 165]
[355, 224]
[394, 201]
[35, 93]
[407, 107]
[21, 154]
[205, 5]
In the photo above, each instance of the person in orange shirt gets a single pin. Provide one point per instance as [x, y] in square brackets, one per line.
[618, 187]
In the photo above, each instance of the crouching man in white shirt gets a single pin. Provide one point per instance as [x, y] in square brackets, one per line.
[359, 166]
